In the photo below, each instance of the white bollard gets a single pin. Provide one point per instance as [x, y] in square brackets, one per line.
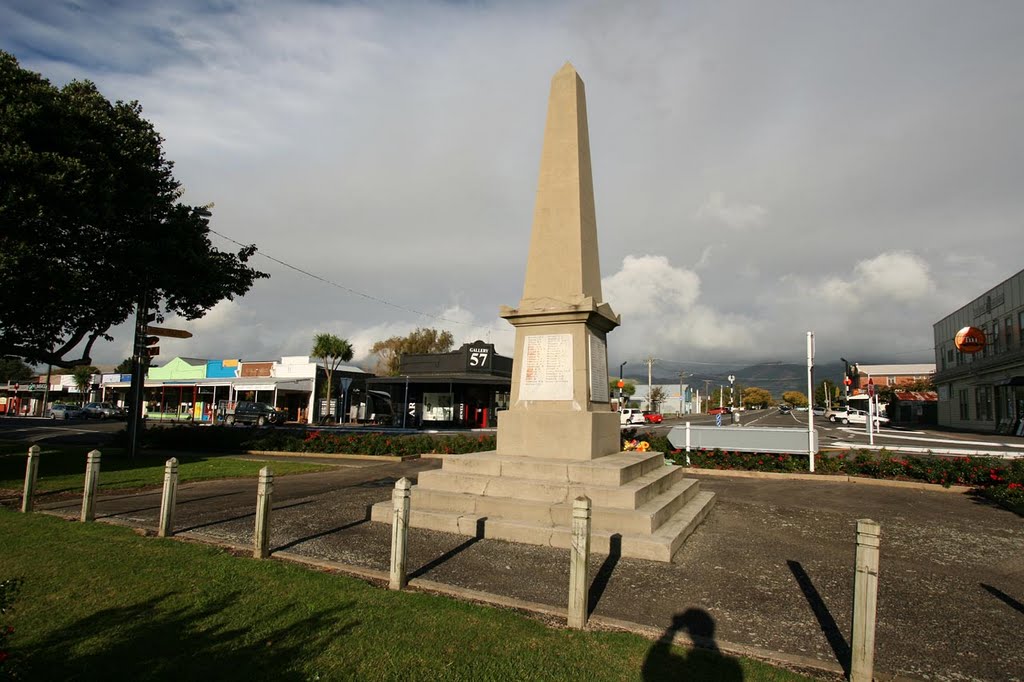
[401, 498]
[578, 557]
[92, 479]
[865, 601]
[169, 498]
[687, 443]
[264, 496]
[31, 474]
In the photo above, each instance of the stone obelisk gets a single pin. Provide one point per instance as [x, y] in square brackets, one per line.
[559, 403]
[559, 439]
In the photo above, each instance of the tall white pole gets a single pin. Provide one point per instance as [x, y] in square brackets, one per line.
[810, 399]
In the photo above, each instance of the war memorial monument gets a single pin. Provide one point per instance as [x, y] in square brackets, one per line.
[559, 438]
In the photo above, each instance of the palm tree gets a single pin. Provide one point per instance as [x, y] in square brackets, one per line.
[333, 350]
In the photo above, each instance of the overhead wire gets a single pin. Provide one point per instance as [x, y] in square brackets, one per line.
[356, 292]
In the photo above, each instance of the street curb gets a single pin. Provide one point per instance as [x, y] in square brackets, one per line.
[333, 455]
[830, 478]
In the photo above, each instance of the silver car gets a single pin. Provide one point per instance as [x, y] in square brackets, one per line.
[101, 411]
[62, 411]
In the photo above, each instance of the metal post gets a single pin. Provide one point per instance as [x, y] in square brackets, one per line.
[169, 498]
[578, 558]
[264, 497]
[865, 601]
[92, 478]
[687, 443]
[810, 399]
[400, 498]
[31, 474]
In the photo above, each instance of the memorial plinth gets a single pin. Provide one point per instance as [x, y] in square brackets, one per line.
[559, 439]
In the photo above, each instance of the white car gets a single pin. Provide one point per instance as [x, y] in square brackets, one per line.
[62, 411]
[861, 417]
[631, 415]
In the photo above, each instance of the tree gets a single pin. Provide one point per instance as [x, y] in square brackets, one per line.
[754, 395]
[628, 387]
[795, 398]
[14, 369]
[125, 367]
[826, 393]
[90, 220]
[83, 379]
[333, 351]
[657, 397]
[389, 351]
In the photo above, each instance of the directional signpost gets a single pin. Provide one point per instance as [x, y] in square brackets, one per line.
[172, 333]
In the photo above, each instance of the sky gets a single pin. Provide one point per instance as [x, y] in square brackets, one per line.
[760, 169]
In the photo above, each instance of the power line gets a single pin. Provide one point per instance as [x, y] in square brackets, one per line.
[356, 292]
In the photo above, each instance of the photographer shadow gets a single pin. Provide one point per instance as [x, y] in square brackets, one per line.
[704, 661]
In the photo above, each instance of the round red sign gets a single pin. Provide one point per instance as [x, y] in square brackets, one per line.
[969, 340]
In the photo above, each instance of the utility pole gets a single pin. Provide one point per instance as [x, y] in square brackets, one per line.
[650, 387]
[681, 374]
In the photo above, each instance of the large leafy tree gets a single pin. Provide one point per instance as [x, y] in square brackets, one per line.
[755, 395]
[14, 369]
[389, 351]
[333, 350]
[795, 398]
[90, 219]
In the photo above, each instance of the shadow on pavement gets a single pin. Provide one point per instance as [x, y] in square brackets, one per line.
[604, 573]
[454, 551]
[705, 662]
[1003, 597]
[351, 524]
[826, 622]
[217, 522]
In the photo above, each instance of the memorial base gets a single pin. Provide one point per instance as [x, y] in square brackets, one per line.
[642, 508]
[558, 435]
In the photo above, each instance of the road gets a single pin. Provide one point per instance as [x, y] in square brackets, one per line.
[893, 438]
[830, 436]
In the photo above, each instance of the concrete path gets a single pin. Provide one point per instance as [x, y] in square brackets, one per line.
[772, 565]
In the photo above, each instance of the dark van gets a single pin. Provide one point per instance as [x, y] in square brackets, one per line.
[247, 412]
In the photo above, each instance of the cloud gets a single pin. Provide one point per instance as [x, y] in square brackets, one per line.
[717, 209]
[891, 276]
[661, 311]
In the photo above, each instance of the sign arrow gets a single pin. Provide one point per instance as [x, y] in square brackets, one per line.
[164, 331]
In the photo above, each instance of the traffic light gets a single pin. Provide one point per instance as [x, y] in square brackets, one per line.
[150, 349]
[144, 344]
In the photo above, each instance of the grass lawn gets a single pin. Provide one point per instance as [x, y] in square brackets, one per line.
[99, 602]
[63, 468]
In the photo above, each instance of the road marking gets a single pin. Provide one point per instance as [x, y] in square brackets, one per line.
[955, 452]
[939, 440]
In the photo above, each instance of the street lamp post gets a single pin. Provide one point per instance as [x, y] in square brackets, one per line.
[732, 399]
[620, 383]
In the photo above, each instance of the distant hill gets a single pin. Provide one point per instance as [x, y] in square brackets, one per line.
[774, 377]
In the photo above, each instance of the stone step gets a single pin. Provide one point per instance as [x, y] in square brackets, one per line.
[659, 546]
[627, 496]
[645, 519]
[614, 469]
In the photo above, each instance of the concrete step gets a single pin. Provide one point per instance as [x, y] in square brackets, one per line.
[658, 546]
[645, 519]
[627, 496]
[614, 469]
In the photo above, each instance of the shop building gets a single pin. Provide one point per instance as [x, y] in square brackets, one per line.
[984, 390]
[463, 389]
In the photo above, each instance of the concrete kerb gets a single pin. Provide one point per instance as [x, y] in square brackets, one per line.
[282, 453]
[830, 478]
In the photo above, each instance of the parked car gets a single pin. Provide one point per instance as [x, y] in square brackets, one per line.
[784, 408]
[861, 417]
[719, 410]
[102, 411]
[247, 412]
[837, 414]
[62, 411]
[818, 411]
[653, 417]
[631, 415]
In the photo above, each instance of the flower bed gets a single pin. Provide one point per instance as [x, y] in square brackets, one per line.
[234, 439]
[999, 480]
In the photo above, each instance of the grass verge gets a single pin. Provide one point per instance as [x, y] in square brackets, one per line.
[63, 468]
[100, 602]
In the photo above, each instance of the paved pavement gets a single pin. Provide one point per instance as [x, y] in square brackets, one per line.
[772, 565]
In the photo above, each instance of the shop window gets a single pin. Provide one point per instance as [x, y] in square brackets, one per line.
[964, 406]
[996, 341]
[1008, 333]
[983, 403]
